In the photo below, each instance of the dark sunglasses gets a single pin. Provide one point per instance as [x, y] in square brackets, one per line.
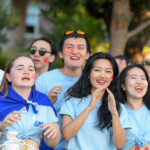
[42, 52]
[76, 31]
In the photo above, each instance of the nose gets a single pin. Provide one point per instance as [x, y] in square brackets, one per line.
[74, 50]
[26, 71]
[139, 81]
[37, 53]
[102, 73]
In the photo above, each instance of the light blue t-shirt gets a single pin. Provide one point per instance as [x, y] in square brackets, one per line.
[48, 80]
[140, 132]
[1, 75]
[89, 137]
[28, 126]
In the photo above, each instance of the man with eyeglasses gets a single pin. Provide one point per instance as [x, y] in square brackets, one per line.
[43, 52]
[74, 50]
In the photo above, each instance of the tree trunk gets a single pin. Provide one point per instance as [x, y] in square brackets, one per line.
[18, 33]
[119, 27]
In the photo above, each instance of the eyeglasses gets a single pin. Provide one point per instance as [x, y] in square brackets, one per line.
[42, 52]
[76, 31]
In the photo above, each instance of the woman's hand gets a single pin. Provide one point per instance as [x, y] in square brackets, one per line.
[10, 119]
[51, 129]
[111, 103]
[95, 97]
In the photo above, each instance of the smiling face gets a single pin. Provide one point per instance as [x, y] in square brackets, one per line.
[136, 84]
[42, 62]
[101, 74]
[22, 73]
[74, 52]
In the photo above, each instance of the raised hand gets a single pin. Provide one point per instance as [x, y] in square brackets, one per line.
[111, 103]
[96, 96]
[10, 119]
[53, 94]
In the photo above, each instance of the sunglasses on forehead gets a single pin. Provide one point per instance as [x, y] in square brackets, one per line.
[41, 52]
[74, 31]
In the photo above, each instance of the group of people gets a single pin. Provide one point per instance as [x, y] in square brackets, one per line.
[89, 104]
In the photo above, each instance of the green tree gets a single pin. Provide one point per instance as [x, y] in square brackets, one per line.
[8, 21]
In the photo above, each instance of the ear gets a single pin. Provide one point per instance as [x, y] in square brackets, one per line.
[123, 87]
[87, 56]
[8, 77]
[61, 55]
[52, 58]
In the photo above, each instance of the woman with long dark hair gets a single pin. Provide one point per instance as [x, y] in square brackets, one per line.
[135, 94]
[91, 117]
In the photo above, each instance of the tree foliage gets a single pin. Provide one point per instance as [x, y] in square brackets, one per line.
[8, 21]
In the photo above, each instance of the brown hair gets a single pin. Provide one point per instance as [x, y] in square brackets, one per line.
[5, 82]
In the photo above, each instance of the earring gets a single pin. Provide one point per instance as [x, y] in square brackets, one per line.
[124, 89]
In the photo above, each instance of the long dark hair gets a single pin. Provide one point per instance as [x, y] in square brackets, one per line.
[121, 93]
[83, 88]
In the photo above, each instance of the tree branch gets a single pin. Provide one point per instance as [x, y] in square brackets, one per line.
[138, 29]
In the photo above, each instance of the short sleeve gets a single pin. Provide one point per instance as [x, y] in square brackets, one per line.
[38, 83]
[68, 109]
[124, 117]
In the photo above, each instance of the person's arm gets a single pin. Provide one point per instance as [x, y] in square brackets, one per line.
[70, 127]
[119, 136]
[52, 134]
[9, 120]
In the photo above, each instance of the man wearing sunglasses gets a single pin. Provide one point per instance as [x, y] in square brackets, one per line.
[43, 52]
[74, 50]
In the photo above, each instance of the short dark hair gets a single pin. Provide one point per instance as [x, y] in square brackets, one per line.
[52, 46]
[75, 35]
[122, 57]
[51, 43]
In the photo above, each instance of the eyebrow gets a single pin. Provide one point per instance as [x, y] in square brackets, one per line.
[101, 67]
[23, 66]
[136, 75]
[40, 47]
[73, 45]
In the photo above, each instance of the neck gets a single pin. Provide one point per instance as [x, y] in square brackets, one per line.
[71, 72]
[24, 92]
[40, 71]
[135, 104]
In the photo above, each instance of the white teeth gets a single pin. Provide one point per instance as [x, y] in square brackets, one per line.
[101, 81]
[76, 58]
[138, 88]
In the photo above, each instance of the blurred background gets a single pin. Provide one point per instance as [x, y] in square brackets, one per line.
[120, 27]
